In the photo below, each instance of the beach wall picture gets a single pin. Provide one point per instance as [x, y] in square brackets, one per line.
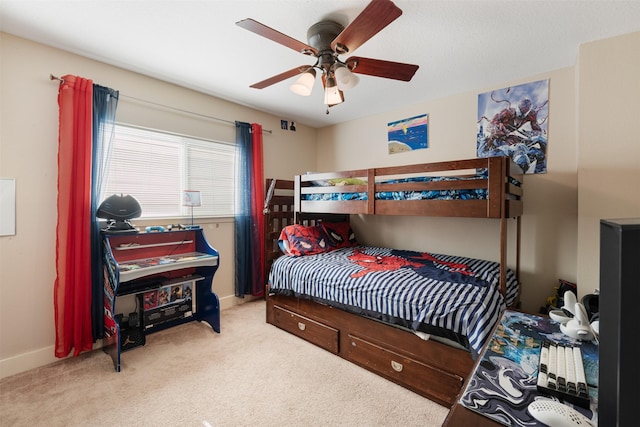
[408, 134]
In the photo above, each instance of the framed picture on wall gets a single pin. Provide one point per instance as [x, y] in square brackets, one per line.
[513, 122]
[408, 134]
[7, 207]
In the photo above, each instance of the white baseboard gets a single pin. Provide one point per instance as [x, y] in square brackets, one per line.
[45, 356]
[232, 301]
[31, 360]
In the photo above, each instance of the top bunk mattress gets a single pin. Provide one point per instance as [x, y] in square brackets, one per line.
[409, 194]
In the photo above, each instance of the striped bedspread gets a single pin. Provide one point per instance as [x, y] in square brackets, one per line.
[420, 290]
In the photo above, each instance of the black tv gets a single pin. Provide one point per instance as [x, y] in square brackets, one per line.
[618, 368]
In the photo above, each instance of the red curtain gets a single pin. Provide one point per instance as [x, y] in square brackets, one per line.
[72, 287]
[257, 205]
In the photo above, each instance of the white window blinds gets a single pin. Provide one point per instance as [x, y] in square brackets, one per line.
[156, 167]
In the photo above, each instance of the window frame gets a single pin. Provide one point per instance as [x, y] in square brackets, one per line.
[184, 153]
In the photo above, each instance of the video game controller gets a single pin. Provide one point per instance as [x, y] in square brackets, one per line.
[172, 227]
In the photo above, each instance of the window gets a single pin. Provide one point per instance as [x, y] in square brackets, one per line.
[156, 167]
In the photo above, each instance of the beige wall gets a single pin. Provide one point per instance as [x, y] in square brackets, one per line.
[28, 153]
[593, 167]
[549, 223]
[609, 151]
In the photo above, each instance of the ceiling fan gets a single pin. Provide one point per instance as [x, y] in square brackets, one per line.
[327, 40]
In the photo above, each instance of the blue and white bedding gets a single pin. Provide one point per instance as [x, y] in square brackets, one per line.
[449, 194]
[455, 297]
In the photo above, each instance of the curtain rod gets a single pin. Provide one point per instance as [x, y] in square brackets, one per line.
[61, 80]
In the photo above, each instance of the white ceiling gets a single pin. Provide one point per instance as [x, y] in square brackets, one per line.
[459, 45]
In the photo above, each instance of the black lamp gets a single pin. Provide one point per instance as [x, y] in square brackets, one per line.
[118, 210]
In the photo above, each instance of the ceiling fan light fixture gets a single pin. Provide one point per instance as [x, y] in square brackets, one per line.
[332, 95]
[304, 84]
[326, 40]
[345, 78]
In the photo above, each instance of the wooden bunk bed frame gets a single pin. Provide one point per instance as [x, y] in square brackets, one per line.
[431, 368]
[278, 213]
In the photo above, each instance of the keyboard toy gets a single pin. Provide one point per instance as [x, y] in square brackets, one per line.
[561, 373]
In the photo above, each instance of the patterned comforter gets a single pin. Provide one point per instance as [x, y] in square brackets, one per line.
[438, 294]
[449, 194]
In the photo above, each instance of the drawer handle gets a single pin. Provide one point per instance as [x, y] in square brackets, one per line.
[302, 326]
[396, 366]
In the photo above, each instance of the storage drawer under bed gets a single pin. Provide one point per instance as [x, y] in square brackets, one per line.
[317, 333]
[421, 377]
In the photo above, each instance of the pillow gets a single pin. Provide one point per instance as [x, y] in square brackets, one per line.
[347, 181]
[297, 240]
[319, 183]
[283, 243]
[340, 234]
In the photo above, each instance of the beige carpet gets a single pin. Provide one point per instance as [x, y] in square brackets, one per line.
[252, 374]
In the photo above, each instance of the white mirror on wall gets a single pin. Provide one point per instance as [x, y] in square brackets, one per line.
[7, 207]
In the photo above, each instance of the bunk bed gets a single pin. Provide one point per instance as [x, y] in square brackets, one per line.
[430, 359]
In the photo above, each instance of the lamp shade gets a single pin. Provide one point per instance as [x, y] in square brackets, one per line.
[346, 79]
[304, 84]
[332, 94]
[191, 198]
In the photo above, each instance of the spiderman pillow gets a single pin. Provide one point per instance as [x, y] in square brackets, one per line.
[297, 240]
[340, 234]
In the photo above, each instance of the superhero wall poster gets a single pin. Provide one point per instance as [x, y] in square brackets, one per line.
[513, 122]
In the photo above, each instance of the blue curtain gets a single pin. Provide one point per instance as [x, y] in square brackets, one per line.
[249, 219]
[105, 102]
[243, 220]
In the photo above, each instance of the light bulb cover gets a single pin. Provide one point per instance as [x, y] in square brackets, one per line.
[332, 94]
[304, 84]
[345, 78]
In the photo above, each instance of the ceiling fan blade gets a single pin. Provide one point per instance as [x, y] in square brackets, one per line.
[377, 15]
[380, 68]
[276, 36]
[280, 77]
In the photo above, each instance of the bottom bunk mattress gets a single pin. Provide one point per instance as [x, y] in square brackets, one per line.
[454, 297]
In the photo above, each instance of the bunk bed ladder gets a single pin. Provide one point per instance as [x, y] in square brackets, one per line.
[278, 213]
